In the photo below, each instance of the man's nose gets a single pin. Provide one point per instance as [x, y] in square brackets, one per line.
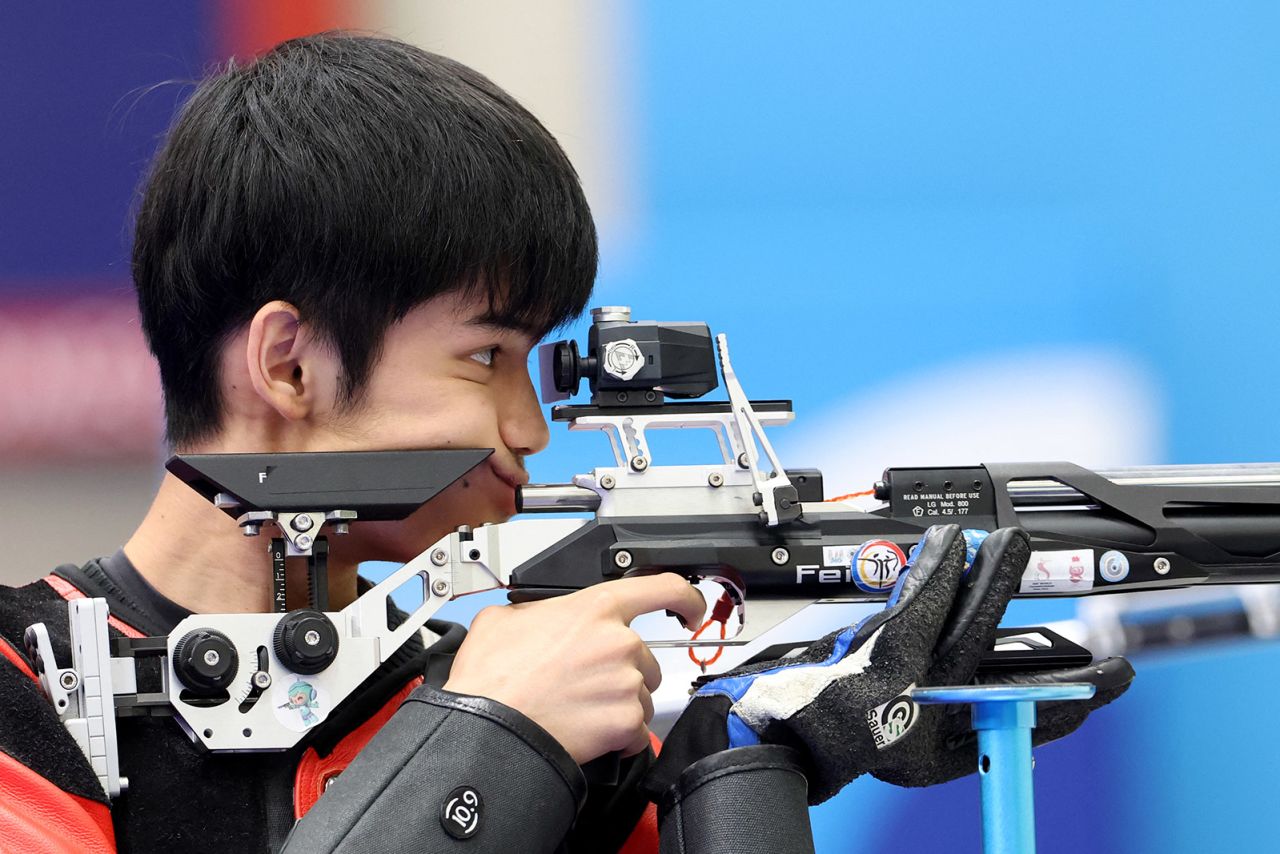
[522, 426]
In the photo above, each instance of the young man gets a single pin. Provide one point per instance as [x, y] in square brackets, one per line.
[346, 244]
[350, 244]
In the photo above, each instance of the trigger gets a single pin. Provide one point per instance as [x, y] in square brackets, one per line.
[684, 624]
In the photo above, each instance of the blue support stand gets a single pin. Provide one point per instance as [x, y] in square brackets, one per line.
[1003, 716]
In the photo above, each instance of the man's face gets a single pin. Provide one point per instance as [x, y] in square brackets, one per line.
[445, 380]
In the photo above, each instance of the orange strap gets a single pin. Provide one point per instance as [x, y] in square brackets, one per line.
[36, 817]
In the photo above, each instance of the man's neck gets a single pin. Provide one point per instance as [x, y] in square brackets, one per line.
[196, 555]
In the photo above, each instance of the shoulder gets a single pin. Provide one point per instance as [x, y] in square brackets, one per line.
[30, 732]
[37, 602]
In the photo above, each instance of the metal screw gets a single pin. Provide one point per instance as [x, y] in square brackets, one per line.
[341, 528]
[261, 680]
[650, 396]
[304, 541]
[252, 530]
[743, 461]
[715, 479]
[440, 587]
[311, 638]
[69, 680]
[211, 657]
[302, 522]
[1162, 566]
[639, 464]
[622, 559]
[607, 482]
[780, 556]
[439, 557]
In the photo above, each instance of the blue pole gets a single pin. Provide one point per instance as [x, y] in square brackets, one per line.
[1003, 716]
[1004, 767]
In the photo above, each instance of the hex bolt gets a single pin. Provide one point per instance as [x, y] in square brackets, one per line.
[311, 638]
[1162, 566]
[302, 522]
[69, 680]
[743, 461]
[622, 559]
[304, 541]
[439, 557]
[639, 463]
[261, 680]
[252, 530]
[440, 587]
[607, 482]
[211, 657]
[780, 556]
[715, 479]
[341, 528]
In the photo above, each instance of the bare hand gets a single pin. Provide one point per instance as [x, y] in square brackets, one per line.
[572, 664]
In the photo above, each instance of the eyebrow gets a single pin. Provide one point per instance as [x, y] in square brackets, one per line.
[495, 324]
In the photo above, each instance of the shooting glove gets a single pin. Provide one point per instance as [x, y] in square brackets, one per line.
[944, 743]
[842, 703]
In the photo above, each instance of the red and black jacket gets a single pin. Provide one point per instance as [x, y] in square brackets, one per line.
[181, 797]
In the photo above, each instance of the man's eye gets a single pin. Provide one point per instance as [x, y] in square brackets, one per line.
[485, 357]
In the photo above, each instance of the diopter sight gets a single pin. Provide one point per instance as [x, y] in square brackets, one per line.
[631, 362]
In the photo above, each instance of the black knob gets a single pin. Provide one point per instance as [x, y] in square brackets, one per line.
[205, 661]
[566, 368]
[306, 641]
[882, 492]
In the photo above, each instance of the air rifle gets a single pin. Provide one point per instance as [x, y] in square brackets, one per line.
[761, 531]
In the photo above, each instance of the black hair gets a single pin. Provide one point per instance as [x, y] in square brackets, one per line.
[356, 178]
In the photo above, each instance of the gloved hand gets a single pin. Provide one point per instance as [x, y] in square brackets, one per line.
[844, 703]
[944, 742]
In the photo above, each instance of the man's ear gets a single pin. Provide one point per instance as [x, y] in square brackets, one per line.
[284, 362]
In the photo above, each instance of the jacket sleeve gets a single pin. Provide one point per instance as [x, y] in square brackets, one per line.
[50, 800]
[448, 771]
[749, 800]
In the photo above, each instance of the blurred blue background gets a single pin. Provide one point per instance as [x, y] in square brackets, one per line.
[1000, 229]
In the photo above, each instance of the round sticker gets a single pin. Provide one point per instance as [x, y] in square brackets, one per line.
[876, 565]
[299, 704]
[1113, 566]
[460, 813]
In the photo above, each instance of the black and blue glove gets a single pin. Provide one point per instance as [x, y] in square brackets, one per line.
[844, 705]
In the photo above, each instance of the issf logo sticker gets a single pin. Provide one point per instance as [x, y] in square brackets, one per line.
[876, 565]
[893, 720]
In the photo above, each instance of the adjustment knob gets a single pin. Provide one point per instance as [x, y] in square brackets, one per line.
[566, 367]
[205, 660]
[306, 641]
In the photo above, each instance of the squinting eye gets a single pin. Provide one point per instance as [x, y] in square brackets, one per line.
[485, 357]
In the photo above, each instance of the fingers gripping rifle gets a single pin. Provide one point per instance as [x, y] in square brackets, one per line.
[761, 531]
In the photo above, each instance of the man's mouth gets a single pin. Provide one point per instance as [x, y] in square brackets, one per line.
[512, 477]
